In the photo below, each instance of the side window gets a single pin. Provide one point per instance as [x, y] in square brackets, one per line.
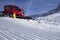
[16, 8]
[8, 7]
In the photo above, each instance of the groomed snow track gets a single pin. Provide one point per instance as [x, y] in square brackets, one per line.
[20, 29]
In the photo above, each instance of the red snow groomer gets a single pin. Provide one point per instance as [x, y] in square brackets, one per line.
[10, 10]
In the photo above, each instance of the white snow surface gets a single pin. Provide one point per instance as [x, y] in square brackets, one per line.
[23, 29]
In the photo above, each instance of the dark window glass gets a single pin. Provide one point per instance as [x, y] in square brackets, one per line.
[20, 10]
[8, 7]
[16, 8]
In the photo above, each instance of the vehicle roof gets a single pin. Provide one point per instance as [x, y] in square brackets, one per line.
[10, 5]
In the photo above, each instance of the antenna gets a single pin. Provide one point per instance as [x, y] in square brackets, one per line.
[29, 5]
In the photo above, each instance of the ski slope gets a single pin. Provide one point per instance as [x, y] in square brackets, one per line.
[23, 29]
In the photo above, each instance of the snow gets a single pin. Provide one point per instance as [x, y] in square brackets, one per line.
[23, 29]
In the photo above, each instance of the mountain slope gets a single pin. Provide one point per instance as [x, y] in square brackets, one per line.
[53, 11]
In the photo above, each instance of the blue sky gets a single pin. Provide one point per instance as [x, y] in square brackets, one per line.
[32, 6]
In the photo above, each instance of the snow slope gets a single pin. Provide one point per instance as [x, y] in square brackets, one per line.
[52, 19]
[23, 29]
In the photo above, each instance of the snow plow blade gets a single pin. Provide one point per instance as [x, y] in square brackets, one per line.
[2, 14]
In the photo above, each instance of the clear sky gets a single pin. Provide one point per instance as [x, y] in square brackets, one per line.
[32, 6]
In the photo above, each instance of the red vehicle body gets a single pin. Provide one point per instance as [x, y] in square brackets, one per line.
[11, 9]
